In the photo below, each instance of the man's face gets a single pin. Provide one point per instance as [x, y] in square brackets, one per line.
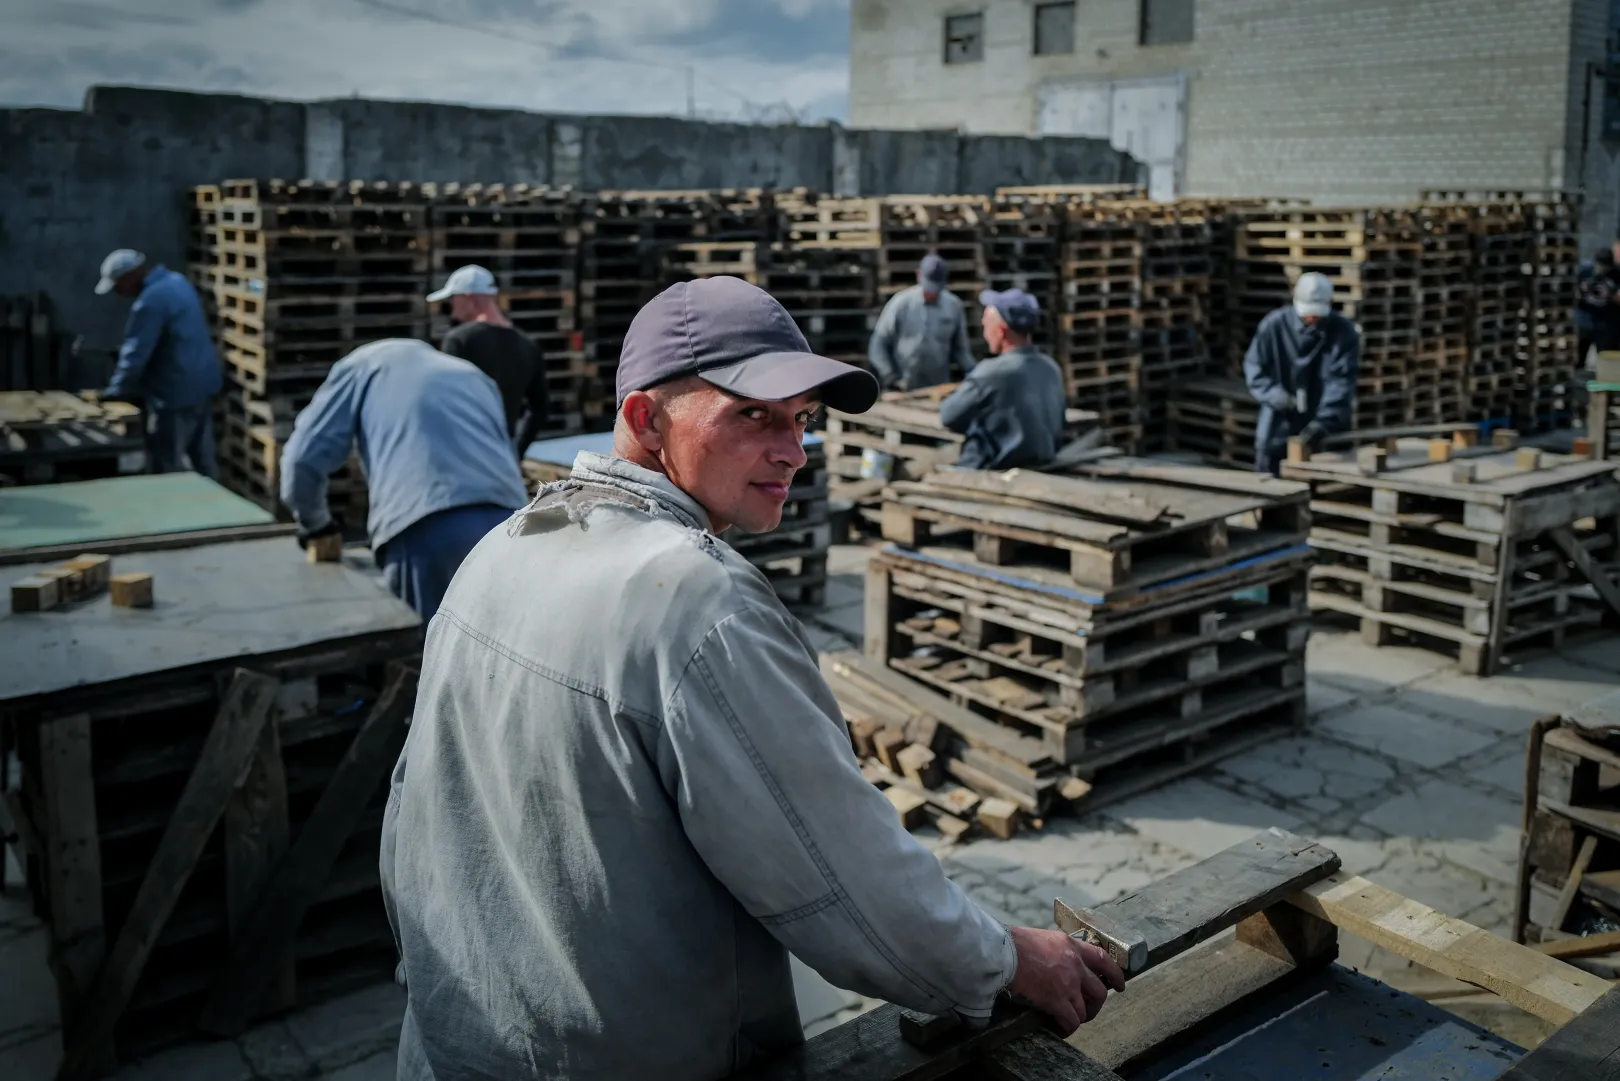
[1310, 320]
[463, 308]
[994, 328]
[736, 456]
[129, 285]
[1615, 250]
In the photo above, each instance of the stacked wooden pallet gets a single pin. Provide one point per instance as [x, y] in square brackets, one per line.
[52, 436]
[1478, 550]
[1173, 311]
[1023, 245]
[30, 353]
[1571, 848]
[1371, 256]
[1099, 344]
[528, 238]
[1121, 624]
[1215, 417]
[302, 273]
[1603, 419]
[1446, 297]
[1547, 390]
[1498, 357]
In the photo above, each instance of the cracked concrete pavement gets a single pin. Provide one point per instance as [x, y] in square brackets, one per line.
[1411, 771]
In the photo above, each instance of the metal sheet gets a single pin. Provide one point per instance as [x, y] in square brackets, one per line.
[88, 511]
[212, 603]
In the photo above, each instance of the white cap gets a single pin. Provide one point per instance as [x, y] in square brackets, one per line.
[469, 280]
[115, 266]
[1313, 295]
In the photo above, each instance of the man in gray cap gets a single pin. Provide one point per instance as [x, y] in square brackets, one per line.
[921, 339]
[627, 792]
[1009, 407]
[1301, 368]
[167, 360]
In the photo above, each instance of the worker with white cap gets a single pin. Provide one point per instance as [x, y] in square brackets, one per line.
[485, 338]
[1301, 368]
[167, 360]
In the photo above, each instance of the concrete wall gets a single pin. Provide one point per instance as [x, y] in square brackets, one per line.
[75, 185]
[1596, 168]
[1374, 100]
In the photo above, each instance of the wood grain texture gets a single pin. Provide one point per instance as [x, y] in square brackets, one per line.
[1536, 983]
[72, 855]
[256, 832]
[1581, 946]
[1584, 563]
[225, 754]
[1041, 1056]
[1587, 1048]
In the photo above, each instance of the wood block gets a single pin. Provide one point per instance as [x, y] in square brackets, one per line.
[1527, 458]
[1297, 450]
[1462, 472]
[918, 764]
[908, 805]
[327, 549]
[1582, 448]
[69, 582]
[93, 570]
[887, 744]
[1439, 450]
[1370, 460]
[1504, 438]
[952, 827]
[36, 593]
[132, 589]
[1465, 437]
[861, 733]
[999, 817]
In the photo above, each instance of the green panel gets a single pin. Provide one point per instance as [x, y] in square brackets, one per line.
[140, 506]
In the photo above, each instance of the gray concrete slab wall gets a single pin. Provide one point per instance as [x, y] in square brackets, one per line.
[76, 184]
[1593, 161]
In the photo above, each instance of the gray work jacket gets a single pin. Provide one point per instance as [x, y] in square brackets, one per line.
[1010, 408]
[917, 344]
[626, 795]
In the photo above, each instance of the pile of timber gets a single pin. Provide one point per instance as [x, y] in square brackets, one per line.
[1477, 550]
[1547, 386]
[1172, 310]
[1023, 239]
[1099, 342]
[1446, 296]
[53, 436]
[1118, 626]
[1603, 419]
[1569, 886]
[527, 237]
[201, 791]
[1216, 418]
[1497, 356]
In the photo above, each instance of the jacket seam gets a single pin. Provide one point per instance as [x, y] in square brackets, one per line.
[840, 895]
[793, 915]
[618, 706]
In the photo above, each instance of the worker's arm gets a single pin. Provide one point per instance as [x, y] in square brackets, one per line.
[536, 406]
[1339, 383]
[770, 795]
[1260, 370]
[966, 402]
[141, 336]
[880, 349]
[962, 359]
[321, 440]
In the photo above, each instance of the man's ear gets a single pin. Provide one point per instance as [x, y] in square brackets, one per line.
[641, 412]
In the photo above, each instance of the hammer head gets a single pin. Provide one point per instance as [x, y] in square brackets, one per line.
[1128, 948]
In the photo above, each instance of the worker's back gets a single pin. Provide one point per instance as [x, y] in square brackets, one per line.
[1010, 408]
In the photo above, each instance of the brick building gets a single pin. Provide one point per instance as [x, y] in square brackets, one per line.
[1335, 100]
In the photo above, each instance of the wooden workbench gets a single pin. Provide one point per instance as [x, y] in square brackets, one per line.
[47, 522]
[201, 788]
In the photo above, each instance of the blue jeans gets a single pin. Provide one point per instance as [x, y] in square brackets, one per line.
[419, 563]
[177, 436]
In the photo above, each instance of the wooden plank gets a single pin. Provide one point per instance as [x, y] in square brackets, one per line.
[1582, 559]
[1163, 919]
[1534, 982]
[1220, 480]
[72, 857]
[225, 754]
[256, 831]
[1587, 1048]
[1572, 883]
[1041, 1056]
[298, 876]
[1114, 501]
[1581, 946]
[1032, 525]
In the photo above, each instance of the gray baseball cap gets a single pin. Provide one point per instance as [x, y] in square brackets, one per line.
[738, 337]
[933, 272]
[1017, 309]
[115, 266]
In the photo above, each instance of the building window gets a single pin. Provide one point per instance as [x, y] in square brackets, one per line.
[1167, 22]
[964, 38]
[1054, 29]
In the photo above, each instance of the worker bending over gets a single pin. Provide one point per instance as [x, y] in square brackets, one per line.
[432, 439]
[628, 793]
[921, 339]
[167, 360]
[486, 338]
[1301, 368]
[1009, 407]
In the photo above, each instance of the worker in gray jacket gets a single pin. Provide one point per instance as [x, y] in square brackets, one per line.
[627, 792]
[921, 339]
[1009, 407]
[1301, 368]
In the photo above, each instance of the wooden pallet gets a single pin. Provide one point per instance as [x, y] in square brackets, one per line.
[52, 436]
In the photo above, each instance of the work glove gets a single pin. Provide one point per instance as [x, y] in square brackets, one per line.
[334, 525]
[1313, 434]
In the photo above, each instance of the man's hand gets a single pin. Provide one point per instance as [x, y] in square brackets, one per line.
[1062, 977]
[1313, 434]
[333, 525]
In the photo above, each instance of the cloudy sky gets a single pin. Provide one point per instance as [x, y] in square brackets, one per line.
[749, 59]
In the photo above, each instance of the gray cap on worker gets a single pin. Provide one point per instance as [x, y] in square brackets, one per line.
[739, 338]
[1017, 309]
[1313, 295]
[115, 266]
[933, 272]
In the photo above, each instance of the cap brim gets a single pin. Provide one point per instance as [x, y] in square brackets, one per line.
[104, 286]
[1312, 309]
[776, 377]
[443, 294]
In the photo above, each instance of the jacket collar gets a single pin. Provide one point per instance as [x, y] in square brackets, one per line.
[590, 468]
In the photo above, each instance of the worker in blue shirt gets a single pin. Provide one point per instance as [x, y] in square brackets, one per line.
[1009, 407]
[432, 436]
[921, 337]
[1301, 368]
[167, 359]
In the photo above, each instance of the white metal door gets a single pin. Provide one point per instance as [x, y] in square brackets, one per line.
[1146, 118]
